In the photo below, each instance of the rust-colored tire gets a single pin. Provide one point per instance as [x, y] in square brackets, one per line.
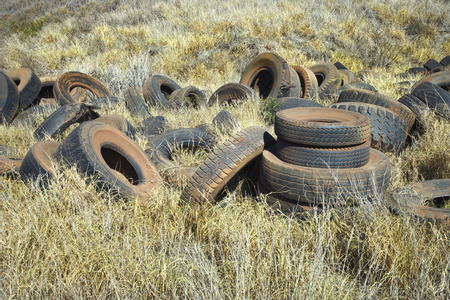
[9, 99]
[119, 122]
[70, 80]
[46, 94]
[411, 199]
[226, 162]
[308, 82]
[270, 76]
[117, 163]
[38, 163]
[231, 94]
[347, 77]
[28, 84]
[157, 90]
[321, 126]
[327, 77]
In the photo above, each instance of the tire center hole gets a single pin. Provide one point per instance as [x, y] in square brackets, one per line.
[263, 83]
[320, 78]
[118, 162]
[47, 92]
[166, 90]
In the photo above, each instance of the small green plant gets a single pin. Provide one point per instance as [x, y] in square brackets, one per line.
[27, 28]
[270, 108]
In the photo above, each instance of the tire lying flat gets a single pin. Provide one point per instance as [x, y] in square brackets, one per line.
[38, 163]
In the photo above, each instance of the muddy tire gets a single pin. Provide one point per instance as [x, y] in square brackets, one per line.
[387, 129]
[117, 163]
[157, 90]
[9, 99]
[232, 94]
[225, 122]
[28, 84]
[38, 163]
[135, 103]
[411, 199]
[120, 123]
[308, 82]
[322, 185]
[270, 76]
[189, 96]
[227, 161]
[320, 126]
[435, 97]
[66, 82]
[328, 79]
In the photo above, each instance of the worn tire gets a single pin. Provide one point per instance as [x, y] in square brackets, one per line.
[9, 99]
[321, 126]
[189, 96]
[270, 76]
[441, 79]
[157, 90]
[28, 84]
[347, 77]
[135, 103]
[120, 123]
[321, 185]
[340, 66]
[227, 161]
[445, 61]
[435, 97]
[30, 116]
[388, 130]
[356, 85]
[342, 157]
[410, 200]
[116, 162]
[47, 96]
[70, 80]
[232, 94]
[431, 64]
[225, 122]
[328, 79]
[370, 97]
[308, 82]
[9, 165]
[38, 163]
[415, 105]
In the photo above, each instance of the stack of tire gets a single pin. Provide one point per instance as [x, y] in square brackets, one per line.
[322, 157]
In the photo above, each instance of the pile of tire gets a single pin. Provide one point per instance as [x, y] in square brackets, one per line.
[322, 157]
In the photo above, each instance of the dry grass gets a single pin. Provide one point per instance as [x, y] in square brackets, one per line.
[71, 241]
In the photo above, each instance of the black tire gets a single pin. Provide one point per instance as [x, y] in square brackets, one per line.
[324, 186]
[270, 76]
[28, 84]
[344, 157]
[38, 163]
[47, 96]
[290, 102]
[328, 79]
[136, 103]
[388, 130]
[340, 66]
[120, 123]
[157, 90]
[411, 199]
[370, 97]
[415, 105]
[232, 94]
[441, 79]
[162, 147]
[154, 126]
[356, 85]
[62, 118]
[226, 162]
[417, 71]
[445, 61]
[117, 163]
[107, 102]
[321, 126]
[431, 64]
[9, 99]
[308, 82]
[435, 97]
[225, 122]
[29, 117]
[189, 96]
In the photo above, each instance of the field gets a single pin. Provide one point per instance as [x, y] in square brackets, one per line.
[71, 241]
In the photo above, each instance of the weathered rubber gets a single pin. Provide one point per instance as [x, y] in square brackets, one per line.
[321, 126]
[232, 94]
[119, 122]
[189, 96]
[47, 96]
[157, 90]
[328, 79]
[9, 165]
[441, 79]
[437, 99]
[445, 61]
[347, 77]
[356, 85]
[225, 122]
[415, 105]
[431, 64]
[38, 163]
[9, 99]
[308, 81]
[135, 103]
[28, 84]
[30, 116]
[227, 161]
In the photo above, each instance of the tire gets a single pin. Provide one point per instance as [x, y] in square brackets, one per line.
[344, 157]
[411, 199]
[28, 84]
[290, 102]
[441, 79]
[431, 64]
[226, 162]
[30, 116]
[445, 61]
[161, 148]
[435, 97]
[135, 103]
[120, 123]
[415, 105]
[232, 94]
[308, 82]
[70, 80]
[270, 76]
[9, 165]
[154, 126]
[324, 186]
[365, 96]
[107, 102]
[157, 90]
[117, 163]
[340, 66]
[225, 122]
[321, 126]
[387, 129]
[9, 99]
[187, 97]
[417, 71]
[46, 94]
[55, 124]
[356, 85]
[328, 79]
[38, 163]
[347, 77]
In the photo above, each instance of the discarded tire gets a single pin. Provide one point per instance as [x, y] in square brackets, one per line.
[431, 64]
[9, 99]
[320, 126]
[28, 84]
[47, 96]
[120, 123]
[225, 122]
[437, 99]
[411, 199]
[116, 162]
[291, 102]
[38, 163]
[327, 77]
[232, 94]
[154, 126]
[270, 76]
[189, 96]
[70, 80]
[9, 165]
[441, 79]
[227, 161]
[308, 81]
[347, 77]
[157, 90]
[135, 103]
[356, 85]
